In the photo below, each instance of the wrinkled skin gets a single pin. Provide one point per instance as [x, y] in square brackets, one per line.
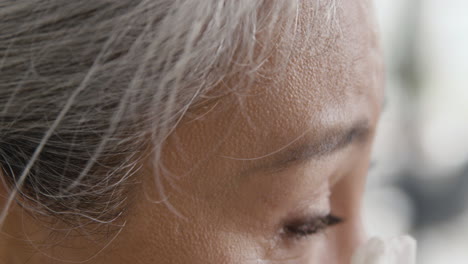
[231, 197]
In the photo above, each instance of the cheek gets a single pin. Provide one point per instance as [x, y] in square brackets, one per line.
[155, 235]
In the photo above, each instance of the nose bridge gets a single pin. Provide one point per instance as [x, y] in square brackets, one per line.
[356, 235]
[346, 239]
[360, 231]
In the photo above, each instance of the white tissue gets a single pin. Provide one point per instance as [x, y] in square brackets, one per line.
[399, 250]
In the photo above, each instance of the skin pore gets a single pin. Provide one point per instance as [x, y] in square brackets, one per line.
[239, 172]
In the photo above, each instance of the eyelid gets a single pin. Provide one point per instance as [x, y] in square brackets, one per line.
[303, 228]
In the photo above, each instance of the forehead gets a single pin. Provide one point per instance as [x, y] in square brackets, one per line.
[333, 78]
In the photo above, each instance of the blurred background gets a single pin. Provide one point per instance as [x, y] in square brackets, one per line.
[419, 184]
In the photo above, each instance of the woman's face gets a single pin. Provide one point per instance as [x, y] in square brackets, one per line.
[248, 178]
[253, 177]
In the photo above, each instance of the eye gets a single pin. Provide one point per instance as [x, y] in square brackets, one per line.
[305, 227]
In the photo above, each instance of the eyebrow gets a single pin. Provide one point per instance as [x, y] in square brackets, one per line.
[332, 141]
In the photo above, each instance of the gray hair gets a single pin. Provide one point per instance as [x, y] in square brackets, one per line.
[88, 88]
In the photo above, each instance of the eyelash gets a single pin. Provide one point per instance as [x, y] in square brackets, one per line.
[302, 229]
